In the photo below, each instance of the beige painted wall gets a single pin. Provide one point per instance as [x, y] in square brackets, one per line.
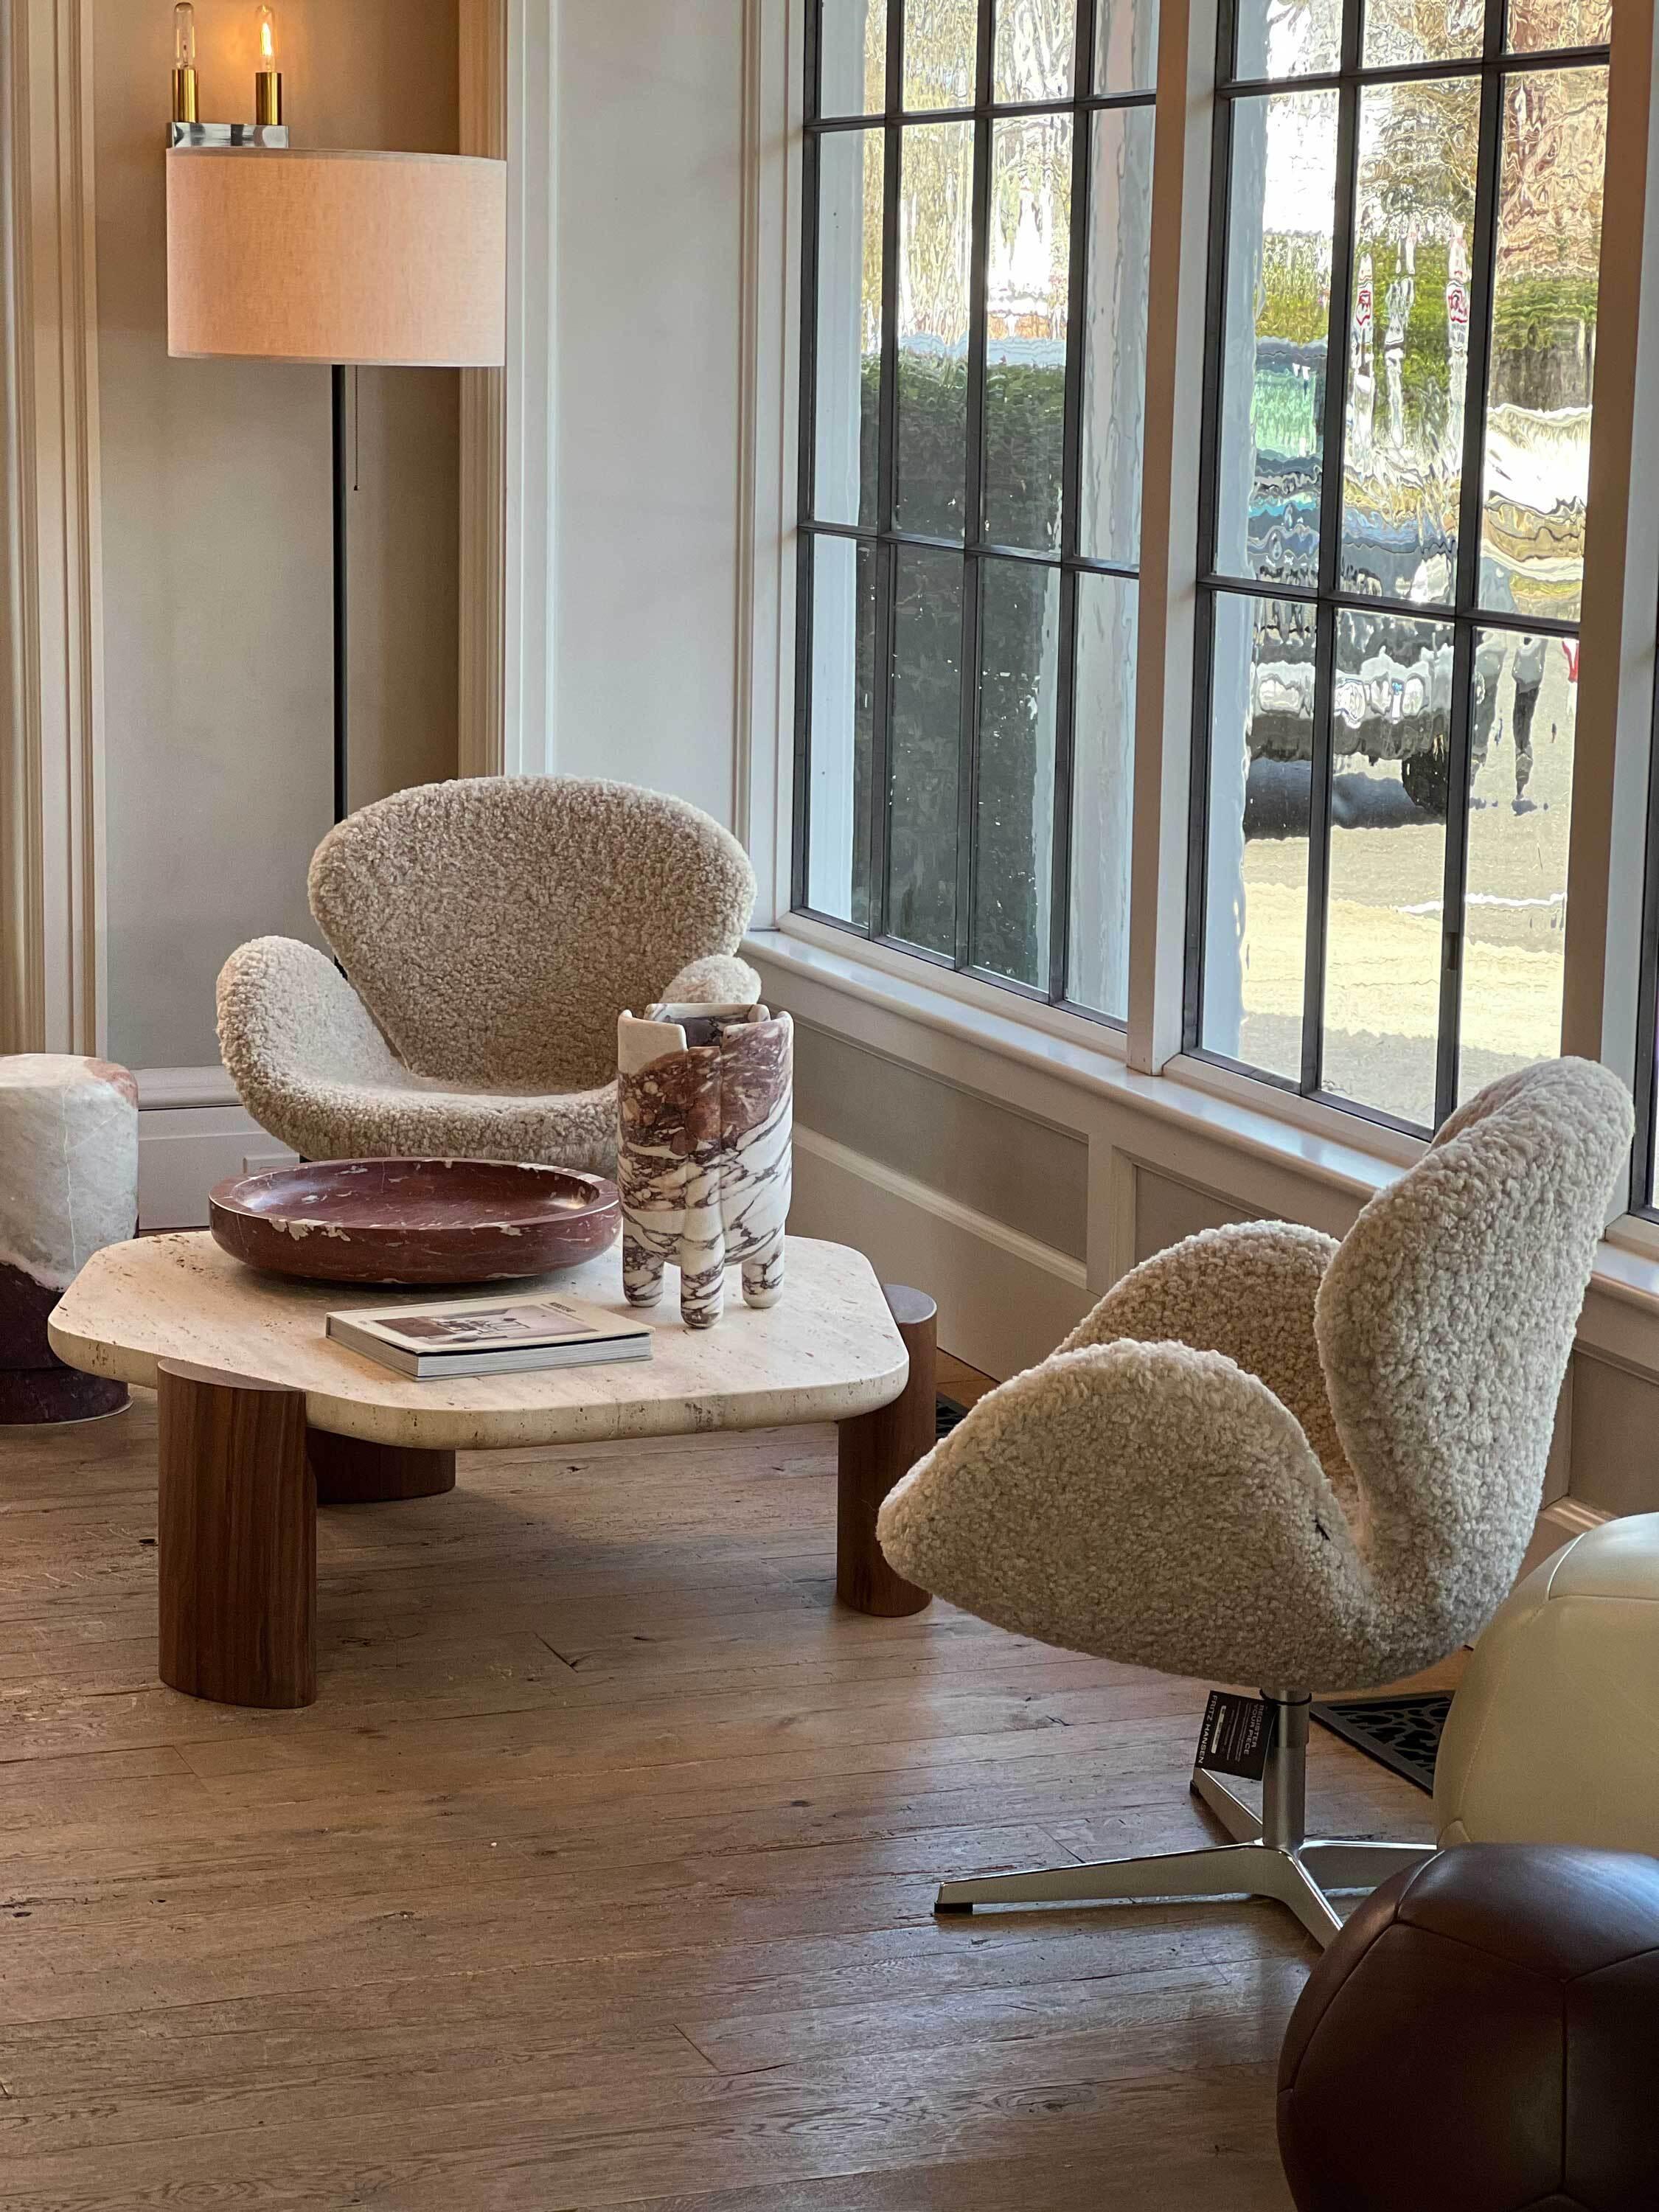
[216, 527]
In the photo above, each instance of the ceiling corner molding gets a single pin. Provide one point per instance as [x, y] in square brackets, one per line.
[53, 996]
[482, 746]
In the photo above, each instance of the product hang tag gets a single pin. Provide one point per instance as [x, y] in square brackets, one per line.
[1236, 1735]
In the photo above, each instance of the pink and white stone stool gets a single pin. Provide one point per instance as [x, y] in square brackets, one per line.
[69, 1185]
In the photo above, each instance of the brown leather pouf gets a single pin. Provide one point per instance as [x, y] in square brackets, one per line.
[1483, 2036]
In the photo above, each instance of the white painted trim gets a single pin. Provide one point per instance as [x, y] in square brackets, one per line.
[169, 1088]
[1005, 1301]
[529, 739]
[1614, 725]
[53, 994]
[1179, 258]
[183, 1150]
[1012, 1241]
[768, 398]
[481, 748]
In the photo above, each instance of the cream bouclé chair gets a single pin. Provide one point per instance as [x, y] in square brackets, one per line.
[1269, 1458]
[490, 931]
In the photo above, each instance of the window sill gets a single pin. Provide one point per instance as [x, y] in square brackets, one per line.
[1010, 1039]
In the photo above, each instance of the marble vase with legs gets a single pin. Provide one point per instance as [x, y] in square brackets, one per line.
[704, 1104]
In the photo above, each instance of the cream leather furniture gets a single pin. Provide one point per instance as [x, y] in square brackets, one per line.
[1268, 1458]
[490, 931]
[1553, 1736]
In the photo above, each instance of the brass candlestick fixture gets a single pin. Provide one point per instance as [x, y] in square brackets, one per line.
[187, 128]
[268, 78]
[184, 63]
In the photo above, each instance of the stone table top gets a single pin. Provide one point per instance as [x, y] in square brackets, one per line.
[829, 1349]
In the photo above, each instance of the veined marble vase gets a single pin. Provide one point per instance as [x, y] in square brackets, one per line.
[704, 1102]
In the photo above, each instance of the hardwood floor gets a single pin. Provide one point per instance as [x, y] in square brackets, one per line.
[599, 1874]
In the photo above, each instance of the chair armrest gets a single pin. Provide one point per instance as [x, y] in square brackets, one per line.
[719, 979]
[1248, 1291]
[289, 1021]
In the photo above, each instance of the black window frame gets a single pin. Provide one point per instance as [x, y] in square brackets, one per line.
[976, 550]
[1491, 68]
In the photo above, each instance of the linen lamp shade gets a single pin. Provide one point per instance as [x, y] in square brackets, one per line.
[337, 257]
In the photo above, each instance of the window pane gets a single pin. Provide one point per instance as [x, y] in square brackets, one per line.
[851, 56]
[1288, 37]
[935, 247]
[1536, 25]
[1013, 828]
[1391, 730]
[1276, 318]
[848, 357]
[1102, 786]
[1126, 45]
[839, 728]
[1398, 31]
[1255, 921]
[941, 41]
[1408, 347]
[922, 744]
[1521, 739]
[1026, 303]
[1543, 345]
[1035, 44]
[1114, 334]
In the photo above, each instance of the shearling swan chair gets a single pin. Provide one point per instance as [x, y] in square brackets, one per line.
[1267, 1457]
[491, 930]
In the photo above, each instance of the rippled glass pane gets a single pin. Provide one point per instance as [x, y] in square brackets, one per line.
[921, 854]
[1036, 46]
[1126, 45]
[848, 397]
[1255, 917]
[936, 190]
[839, 726]
[941, 45]
[1408, 343]
[1276, 322]
[1525, 708]
[1538, 25]
[1398, 31]
[1114, 334]
[1288, 37]
[1014, 826]
[851, 56]
[1543, 341]
[1103, 789]
[1390, 733]
[1027, 288]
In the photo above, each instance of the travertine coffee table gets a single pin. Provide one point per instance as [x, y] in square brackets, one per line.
[261, 1416]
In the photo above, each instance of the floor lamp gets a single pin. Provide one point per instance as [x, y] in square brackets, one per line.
[347, 258]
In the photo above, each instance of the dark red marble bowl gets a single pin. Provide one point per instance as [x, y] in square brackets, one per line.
[415, 1221]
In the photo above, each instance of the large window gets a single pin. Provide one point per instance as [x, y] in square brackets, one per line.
[1407, 204]
[977, 191]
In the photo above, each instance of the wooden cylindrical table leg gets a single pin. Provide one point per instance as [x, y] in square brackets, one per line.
[875, 1449]
[351, 1473]
[236, 1539]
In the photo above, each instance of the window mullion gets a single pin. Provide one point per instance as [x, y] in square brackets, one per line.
[973, 494]
[887, 554]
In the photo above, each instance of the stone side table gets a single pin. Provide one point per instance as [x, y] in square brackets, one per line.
[68, 1186]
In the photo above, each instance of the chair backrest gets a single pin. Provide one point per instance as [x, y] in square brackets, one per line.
[1445, 1322]
[495, 927]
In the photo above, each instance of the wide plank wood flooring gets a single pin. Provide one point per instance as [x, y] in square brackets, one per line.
[599, 1874]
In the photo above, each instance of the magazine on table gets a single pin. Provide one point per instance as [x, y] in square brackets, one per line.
[506, 1334]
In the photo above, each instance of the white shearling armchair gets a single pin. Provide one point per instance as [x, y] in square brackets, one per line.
[1268, 1457]
[491, 930]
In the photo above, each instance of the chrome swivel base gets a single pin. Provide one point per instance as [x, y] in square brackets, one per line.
[1270, 1856]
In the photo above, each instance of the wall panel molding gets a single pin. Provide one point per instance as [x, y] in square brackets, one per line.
[52, 993]
[481, 727]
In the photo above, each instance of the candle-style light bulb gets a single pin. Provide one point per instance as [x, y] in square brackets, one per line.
[268, 76]
[184, 63]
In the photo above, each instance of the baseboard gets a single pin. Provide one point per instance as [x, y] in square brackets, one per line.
[193, 1132]
[1005, 1301]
